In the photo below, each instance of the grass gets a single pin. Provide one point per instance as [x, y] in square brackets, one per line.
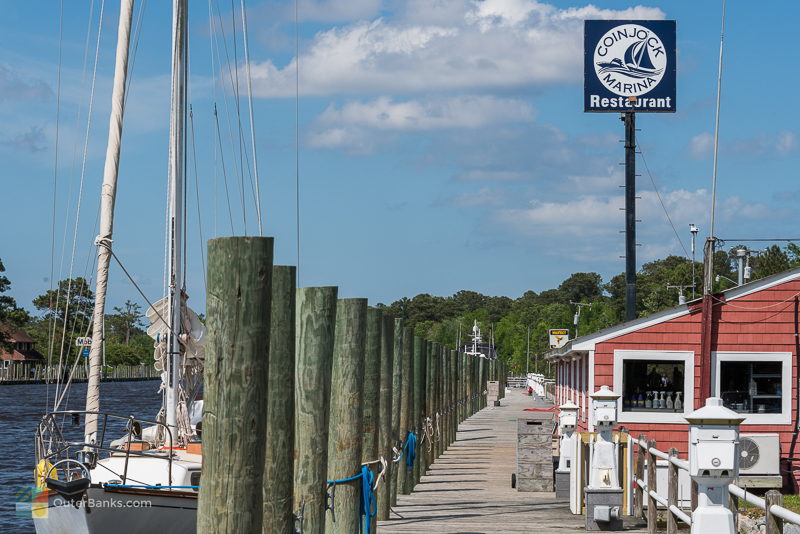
[790, 502]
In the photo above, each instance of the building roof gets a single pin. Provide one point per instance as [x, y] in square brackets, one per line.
[16, 336]
[586, 343]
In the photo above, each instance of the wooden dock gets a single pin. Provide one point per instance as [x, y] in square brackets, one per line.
[468, 489]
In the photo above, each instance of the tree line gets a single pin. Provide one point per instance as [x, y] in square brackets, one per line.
[56, 318]
[519, 327]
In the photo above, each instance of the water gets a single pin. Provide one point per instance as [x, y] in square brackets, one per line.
[22, 406]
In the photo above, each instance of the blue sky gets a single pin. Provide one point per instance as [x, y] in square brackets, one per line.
[442, 142]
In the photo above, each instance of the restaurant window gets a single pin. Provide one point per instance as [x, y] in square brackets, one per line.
[755, 384]
[751, 387]
[650, 385]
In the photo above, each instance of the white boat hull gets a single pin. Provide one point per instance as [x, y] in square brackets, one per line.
[105, 511]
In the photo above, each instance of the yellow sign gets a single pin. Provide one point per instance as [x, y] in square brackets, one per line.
[558, 338]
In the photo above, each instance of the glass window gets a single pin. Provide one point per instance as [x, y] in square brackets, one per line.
[751, 387]
[653, 385]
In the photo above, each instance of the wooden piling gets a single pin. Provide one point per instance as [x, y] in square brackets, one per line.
[397, 378]
[238, 300]
[453, 395]
[385, 417]
[316, 320]
[406, 411]
[419, 403]
[372, 382]
[277, 480]
[345, 426]
[436, 360]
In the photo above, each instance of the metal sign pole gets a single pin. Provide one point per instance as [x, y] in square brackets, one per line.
[630, 215]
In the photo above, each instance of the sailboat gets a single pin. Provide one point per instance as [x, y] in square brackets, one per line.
[636, 62]
[99, 472]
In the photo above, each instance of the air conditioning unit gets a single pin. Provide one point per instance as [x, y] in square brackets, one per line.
[759, 454]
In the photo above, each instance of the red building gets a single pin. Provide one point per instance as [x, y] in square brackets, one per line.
[657, 365]
[23, 348]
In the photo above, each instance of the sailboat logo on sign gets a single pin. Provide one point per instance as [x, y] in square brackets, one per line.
[630, 60]
[629, 64]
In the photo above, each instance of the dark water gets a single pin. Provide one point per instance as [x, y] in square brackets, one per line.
[21, 408]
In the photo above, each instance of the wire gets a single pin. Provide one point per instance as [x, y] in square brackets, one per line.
[252, 121]
[197, 195]
[661, 201]
[754, 308]
[55, 186]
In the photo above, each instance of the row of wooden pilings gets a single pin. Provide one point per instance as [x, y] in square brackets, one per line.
[302, 389]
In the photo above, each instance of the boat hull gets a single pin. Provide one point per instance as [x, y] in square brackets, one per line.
[121, 512]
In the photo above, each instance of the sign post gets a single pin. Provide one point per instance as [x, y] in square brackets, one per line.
[629, 68]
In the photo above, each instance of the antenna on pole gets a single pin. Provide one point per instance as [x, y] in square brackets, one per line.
[709, 256]
[577, 318]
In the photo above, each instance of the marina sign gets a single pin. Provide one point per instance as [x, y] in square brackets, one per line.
[629, 65]
[558, 338]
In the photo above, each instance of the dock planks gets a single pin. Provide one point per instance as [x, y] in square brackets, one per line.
[468, 489]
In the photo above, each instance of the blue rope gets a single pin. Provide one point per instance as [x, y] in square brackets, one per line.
[410, 449]
[343, 480]
[368, 507]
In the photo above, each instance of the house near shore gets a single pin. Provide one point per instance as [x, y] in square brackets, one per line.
[23, 348]
[657, 365]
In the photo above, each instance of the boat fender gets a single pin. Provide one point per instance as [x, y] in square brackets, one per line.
[41, 472]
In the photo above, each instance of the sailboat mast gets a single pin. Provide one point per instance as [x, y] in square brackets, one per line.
[177, 128]
[107, 199]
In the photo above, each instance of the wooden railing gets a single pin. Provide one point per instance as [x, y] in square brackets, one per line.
[647, 456]
[32, 373]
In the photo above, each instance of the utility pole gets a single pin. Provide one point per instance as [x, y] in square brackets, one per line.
[694, 230]
[528, 357]
[630, 215]
[578, 313]
[740, 255]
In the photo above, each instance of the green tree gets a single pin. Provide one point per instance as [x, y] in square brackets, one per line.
[10, 314]
[127, 321]
[65, 310]
[772, 261]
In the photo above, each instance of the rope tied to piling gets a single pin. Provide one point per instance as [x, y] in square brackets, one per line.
[410, 449]
[368, 504]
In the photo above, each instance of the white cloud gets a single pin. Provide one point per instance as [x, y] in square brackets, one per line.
[701, 144]
[786, 143]
[349, 125]
[484, 44]
[586, 229]
[587, 218]
[781, 144]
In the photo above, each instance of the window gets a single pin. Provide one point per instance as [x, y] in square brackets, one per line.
[656, 386]
[652, 385]
[756, 384]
